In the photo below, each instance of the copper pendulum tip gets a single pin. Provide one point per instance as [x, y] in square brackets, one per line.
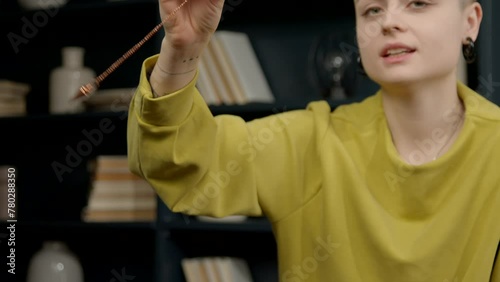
[89, 88]
[86, 90]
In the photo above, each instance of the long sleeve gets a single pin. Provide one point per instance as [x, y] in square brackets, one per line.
[222, 165]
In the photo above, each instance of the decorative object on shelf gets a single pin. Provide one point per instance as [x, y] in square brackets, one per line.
[335, 64]
[66, 79]
[109, 100]
[54, 262]
[13, 98]
[332, 63]
[41, 4]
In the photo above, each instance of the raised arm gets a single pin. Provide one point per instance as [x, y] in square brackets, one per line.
[205, 165]
[218, 166]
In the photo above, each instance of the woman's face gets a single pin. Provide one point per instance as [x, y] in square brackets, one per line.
[404, 41]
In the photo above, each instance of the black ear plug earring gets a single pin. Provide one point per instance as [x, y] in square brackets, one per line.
[469, 51]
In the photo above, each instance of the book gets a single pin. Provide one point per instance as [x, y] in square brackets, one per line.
[13, 98]
[112, 161]
[216, 269]
[13, 88]
[233, 269]
[208, 264]
[118, 215]
[205, 85]
[227, 74]
[131, 188]
[194, 270]
[216, 77]
[244, 64]
[127, 203]
[116, 174]
[117, 194]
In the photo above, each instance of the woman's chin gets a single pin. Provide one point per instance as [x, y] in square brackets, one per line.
[397, 80]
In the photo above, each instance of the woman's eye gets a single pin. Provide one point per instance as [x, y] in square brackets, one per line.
[372, 11]
[418, 4]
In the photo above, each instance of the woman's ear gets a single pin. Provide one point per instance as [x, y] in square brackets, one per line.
[473, 16]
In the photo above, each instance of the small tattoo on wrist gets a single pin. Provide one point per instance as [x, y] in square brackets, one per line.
[174, 73]
[190, 59]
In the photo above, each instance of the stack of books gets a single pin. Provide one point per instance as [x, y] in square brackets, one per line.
[13, 98]
[119, 195]
[230, 72]
[216, 269]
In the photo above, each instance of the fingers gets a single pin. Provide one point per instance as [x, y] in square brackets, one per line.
[169, 7]
[188, 21]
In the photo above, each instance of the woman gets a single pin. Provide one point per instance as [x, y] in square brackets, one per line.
[398, 187]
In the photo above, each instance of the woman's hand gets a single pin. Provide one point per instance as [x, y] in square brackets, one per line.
[187, 34]
[193, 24]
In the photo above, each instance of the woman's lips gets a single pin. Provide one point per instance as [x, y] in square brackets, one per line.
[396, 52]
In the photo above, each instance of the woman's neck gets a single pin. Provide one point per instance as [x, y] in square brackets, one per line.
[424, 120]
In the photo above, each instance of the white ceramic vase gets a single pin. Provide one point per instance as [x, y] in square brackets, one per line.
[54, 262]
[66, 80]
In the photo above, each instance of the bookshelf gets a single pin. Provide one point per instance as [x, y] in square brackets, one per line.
[152, 251]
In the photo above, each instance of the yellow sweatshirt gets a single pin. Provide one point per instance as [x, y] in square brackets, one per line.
[343, 205]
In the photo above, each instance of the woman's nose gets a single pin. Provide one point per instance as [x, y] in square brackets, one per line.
[392, 21]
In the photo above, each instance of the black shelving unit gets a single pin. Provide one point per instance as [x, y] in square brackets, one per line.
[50, 203]
[101, 249]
